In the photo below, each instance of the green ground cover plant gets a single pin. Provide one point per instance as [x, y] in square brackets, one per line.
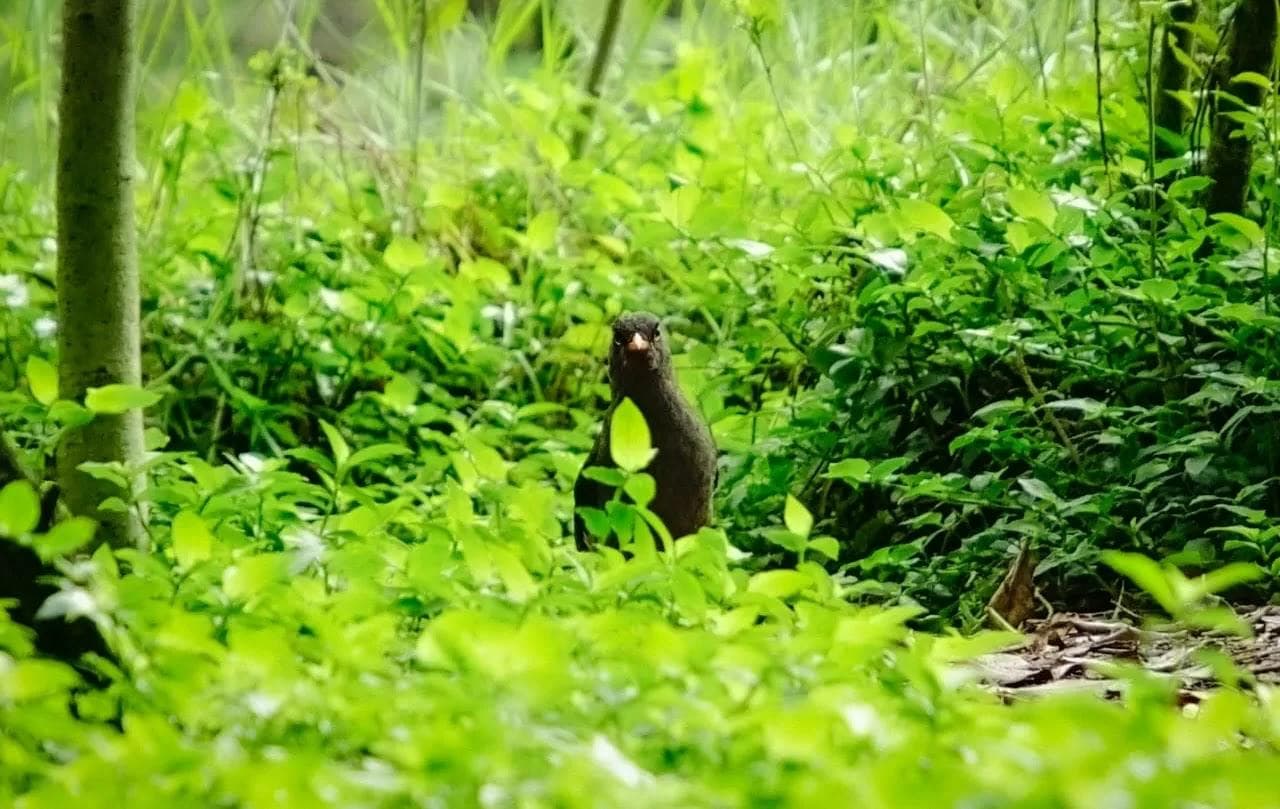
[927, 317]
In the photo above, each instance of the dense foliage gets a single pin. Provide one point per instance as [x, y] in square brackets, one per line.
[927, 319]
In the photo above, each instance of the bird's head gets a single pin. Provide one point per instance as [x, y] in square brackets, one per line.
[639, 352]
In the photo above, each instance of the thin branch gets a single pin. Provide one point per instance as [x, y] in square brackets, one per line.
[595, 76]
[1097, 75]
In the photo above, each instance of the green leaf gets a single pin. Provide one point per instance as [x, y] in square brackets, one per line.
[1254, 78]
[798, 519]
[607, 475]
[553, 150]
[511, 571]
[65, 538]
[338, 444]
[917, 214]
[827, 546]
[853, 470]
[641, 488]
[1248, 228]
[1228, 576]
[1032, 204]
[19, 509]
[400, 393]
[689, 596]
[43, 379]
[116, 399]
[192, 539]
[252, 574]
[1159, 290]
[541, 234]
[403, 255]
[779, 583]
[784, 538]
[445, 15]
[629, 442]
[1145, 573]
[376, 452]
[1038, 489]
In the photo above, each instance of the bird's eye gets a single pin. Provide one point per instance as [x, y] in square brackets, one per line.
[657, 333]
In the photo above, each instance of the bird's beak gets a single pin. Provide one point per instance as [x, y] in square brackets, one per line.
[637, 344]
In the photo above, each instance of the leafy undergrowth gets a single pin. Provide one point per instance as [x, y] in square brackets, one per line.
[929, 312]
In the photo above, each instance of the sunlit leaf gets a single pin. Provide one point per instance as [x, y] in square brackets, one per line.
[19, 509]
[797, 518]
[192, 539]
[629, 442]
[116, 399]
[43, 379]
[918, 214]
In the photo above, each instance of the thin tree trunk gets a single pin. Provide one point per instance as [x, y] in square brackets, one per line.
[595, 76]
[1251, 48]
[98, 328]
[1169, 110]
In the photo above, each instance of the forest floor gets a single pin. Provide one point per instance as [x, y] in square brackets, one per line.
[1089, 652]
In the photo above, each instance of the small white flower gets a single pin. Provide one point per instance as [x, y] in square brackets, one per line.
[892, 260]
[751, 247]
[610, 758]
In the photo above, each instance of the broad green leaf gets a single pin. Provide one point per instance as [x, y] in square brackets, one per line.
[607, 475]
[192, 539]
[1228, 576]
[512, 573]
[1159, 290]
[629, 442]
[116, 399]
[43, 379]
[1254, 78]
[853, 470]
[641, 488]
[1038, 489]
[403, 255]
[376, 452]
[400, 393]
[19, 509]
[917, 214]
[827, 546]
[541, 234]
[252, 574]
[1145, 573]
[553, 150]
[1032, 204]
[797, 518]
[337, 444]
[688, 594]
[444, 15]
[780, 584]
[65, 537]
[34, 679]
[1020, 236]
[1248, 228]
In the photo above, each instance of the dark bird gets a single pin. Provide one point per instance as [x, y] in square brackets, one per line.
[684, 467]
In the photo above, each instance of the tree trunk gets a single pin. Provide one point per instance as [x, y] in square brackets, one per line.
[1170, 113]
[1251, 48]
[595, 76]
[98, 329]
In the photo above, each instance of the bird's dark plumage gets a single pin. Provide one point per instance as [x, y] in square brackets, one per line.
[684, 468]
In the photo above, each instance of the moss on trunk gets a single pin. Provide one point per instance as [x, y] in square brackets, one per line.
[98, 329]
[1251, 48]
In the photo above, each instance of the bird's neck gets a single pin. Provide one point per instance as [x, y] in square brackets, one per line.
[653, 393]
